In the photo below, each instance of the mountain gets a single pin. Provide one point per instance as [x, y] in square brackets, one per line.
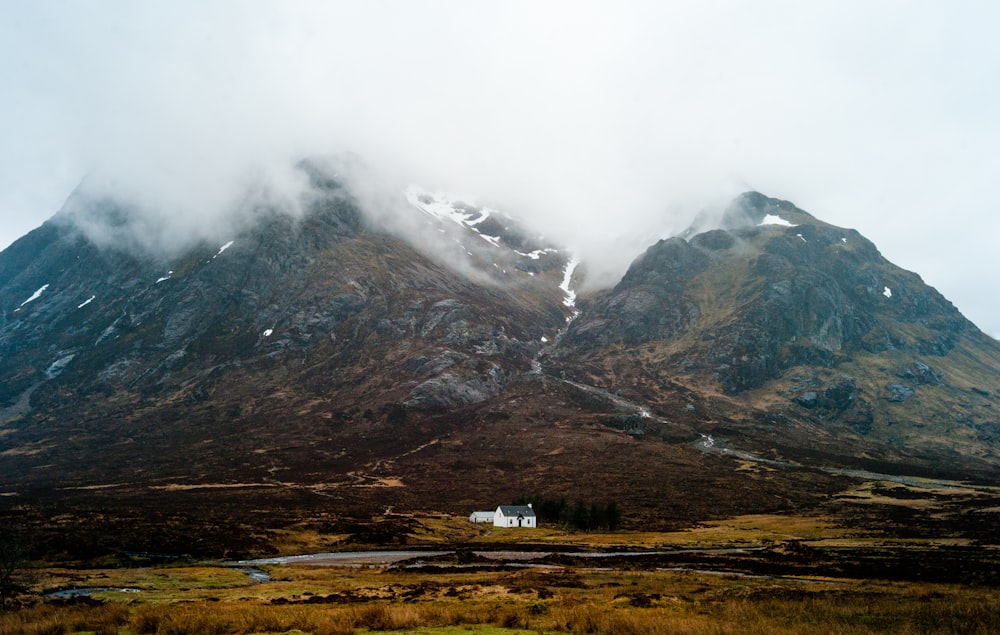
[804, 321]
[337, 365]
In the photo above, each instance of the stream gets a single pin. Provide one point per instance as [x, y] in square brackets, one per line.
[513, 558]
[88, 591]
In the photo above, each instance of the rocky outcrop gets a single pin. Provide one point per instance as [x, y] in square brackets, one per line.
[919, 373]
[899, 393]
[451, 390]
[648, 304]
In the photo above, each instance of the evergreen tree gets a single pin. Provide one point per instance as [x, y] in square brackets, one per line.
[612, 516]
[580, 517]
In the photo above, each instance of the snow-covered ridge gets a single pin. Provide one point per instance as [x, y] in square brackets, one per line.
[448, 207]
[441, 206]
[535, 255]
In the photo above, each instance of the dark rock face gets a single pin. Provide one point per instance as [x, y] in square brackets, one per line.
[840, 395]
[714, 240]
[807, 399]
[648, 304]
[448, 390]
[832, 398]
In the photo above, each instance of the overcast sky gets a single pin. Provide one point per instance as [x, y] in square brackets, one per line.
[600, 121]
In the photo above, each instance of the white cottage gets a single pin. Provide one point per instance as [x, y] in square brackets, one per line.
[514, 516]
[481, 517]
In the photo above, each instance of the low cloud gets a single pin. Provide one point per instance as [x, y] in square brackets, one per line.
[604, 127]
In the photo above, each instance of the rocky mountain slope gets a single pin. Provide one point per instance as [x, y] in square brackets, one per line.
[792, 316]
[331, 362]
[322, 320]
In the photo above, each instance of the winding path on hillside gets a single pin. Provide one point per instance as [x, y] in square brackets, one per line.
[709, 445]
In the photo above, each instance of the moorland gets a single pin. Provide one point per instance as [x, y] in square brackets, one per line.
[881, 557]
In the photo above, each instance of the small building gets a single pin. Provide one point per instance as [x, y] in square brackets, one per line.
[481, 517]
[514, 516]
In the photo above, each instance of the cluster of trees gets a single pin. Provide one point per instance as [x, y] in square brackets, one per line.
[584, 516]
[14, 578]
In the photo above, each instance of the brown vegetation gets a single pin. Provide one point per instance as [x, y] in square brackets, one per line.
[702, 607]
[797, 575]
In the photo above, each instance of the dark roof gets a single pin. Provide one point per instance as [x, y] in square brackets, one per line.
[517, 510]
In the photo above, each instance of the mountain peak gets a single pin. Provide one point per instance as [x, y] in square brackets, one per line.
[755, 209]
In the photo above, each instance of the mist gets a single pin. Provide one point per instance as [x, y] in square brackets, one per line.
[603, 127]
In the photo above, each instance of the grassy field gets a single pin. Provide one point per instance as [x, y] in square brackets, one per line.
[333, 600]
[791, 588]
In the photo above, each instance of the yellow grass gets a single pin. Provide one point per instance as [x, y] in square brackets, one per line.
[531, 601]
[739, 531]
[309, 598]
[298, 540]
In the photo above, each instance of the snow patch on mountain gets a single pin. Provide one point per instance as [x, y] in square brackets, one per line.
[34, 296]
[171, 273]
[439, 205]
[442, 206]
[887, 292]
[570, 299]
[535, 255]
[221, 249]
[86, 302]
[773, 219]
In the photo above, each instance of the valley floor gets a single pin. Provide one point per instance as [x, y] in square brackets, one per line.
[770, 574]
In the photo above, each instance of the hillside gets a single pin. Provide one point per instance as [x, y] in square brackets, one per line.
[803, 324]
[329, 367]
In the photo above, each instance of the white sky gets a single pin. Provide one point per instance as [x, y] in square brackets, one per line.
[604, 123]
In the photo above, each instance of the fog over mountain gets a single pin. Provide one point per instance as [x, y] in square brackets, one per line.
[598, 125]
